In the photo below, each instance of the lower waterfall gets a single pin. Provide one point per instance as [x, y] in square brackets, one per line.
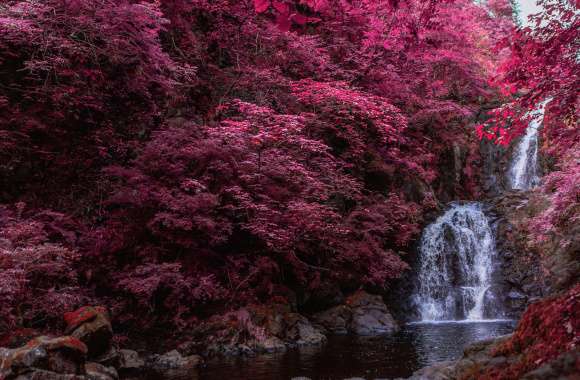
[456, 256]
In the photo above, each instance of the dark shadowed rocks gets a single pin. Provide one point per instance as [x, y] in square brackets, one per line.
[255, 329]
[44, 358]
[92, 326]
[96, 371]
[129, 360]
[173, 364]
[362, 314]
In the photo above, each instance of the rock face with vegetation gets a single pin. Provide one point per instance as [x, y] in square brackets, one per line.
[254, 329]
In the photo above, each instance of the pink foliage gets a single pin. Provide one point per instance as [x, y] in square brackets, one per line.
[563, 190]
[196, 155]
[38, 279]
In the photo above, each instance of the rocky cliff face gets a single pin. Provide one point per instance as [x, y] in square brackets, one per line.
[495, 162]
[531, 269]
[519, 273]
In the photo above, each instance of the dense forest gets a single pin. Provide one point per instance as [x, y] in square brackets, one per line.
[183, 165]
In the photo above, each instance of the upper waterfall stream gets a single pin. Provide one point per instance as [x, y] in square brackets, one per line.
[524, 171]
[456, 263]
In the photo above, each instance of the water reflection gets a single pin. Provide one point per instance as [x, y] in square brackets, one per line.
[446, 341]
[393, 356]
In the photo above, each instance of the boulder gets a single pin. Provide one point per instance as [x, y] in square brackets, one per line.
[96, 371]
[173, 364]
[271, 344]
[301, 332]
[335, 320]
[129, 360]
[438, 371]
[92, 326]
[255, 329]
[190, 347]
[47, 356]
[362, 314]
[372, 322]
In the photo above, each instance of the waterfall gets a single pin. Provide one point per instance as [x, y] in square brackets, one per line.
[524, 172]
[456, 259]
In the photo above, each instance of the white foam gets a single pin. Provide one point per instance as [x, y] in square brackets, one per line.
[462, 321]
[524, 172]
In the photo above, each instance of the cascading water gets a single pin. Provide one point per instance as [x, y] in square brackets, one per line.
[455, 274]
[524, 173]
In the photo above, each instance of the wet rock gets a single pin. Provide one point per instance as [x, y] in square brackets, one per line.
[47, 375]
[173, 364]
[47, 356]
[111, 358]
[335, 320]
[96, 371]
[190, 347]
[129, 360]
[372, 322]
[271, 344]
[301, 331]
[516, 295]
[256, 329]
[92, 326]
[370, 315]
[363, 314]
[439, 371]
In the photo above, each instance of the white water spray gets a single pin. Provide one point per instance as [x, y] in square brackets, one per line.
[524, 173]
[456, 253]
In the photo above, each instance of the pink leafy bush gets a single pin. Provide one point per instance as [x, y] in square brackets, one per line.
[38, 280]
[563, 190]
[84, 74]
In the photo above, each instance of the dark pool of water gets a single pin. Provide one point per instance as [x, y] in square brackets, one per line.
[392, 356]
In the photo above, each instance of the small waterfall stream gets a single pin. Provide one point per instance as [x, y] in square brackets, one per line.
[456, 262]
[524, 172]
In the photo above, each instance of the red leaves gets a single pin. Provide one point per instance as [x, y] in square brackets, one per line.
[543, 64]
[286, 13]
[38, 279]
[281, 7]
[261, 6]
[547, 328]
